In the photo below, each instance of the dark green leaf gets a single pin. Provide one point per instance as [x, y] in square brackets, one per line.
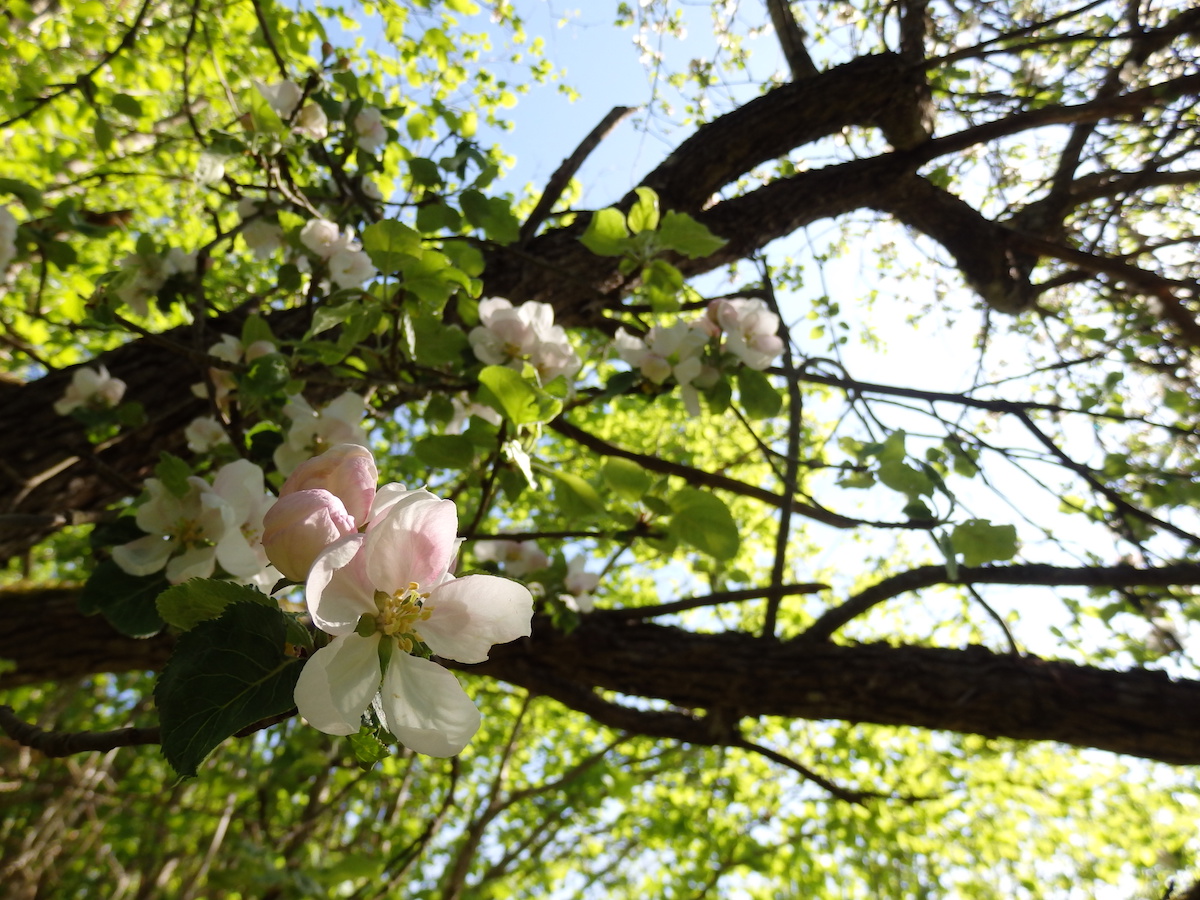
[224, 675]
[126, 601]
[390, 244]
[704, 521]
[979, 541]
[445, 451]
[174, 473]
[759, 398]
[199, 599]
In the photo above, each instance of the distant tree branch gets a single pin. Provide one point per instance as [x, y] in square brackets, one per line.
[68, 743]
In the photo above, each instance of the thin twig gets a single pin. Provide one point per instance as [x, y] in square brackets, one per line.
[68, 743]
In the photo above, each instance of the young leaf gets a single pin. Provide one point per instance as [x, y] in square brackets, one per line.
[390, 244]
[224, 675]
[683, 234]
[644, 215]
[979, 541]
[606, 234]
[759, 398]
[704, 521]
[200, 599]
[626, 478]
[515, 398]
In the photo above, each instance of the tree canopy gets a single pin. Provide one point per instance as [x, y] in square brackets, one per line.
[817, 517]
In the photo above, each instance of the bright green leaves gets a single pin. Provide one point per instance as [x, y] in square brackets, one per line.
[626, 479]
[702, 520]
[445, 451]
[518, 400]
[641, 237]
[979, 541]
[226, 674]
[493, 215]
[687, 237]
[758, 396]
[186, 605]
[390, 244]
[576, 497]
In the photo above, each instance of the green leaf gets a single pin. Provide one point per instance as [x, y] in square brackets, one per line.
[103, 132]
[576, 496]
[703, 520]
[759, 398]
[519, 401]
[683, 234]
[267, 375]
[26, 193]
[445, 451]
[200, 599]
[626, 478]
[433, 217]
[661, 283]
[224, 675]
[326, 317]
[367, 750]
[908, 480]
[126, 601]
[606, 234]
[127, 105]
[256, 329]
[390, 244]
[979, 541]
[174, 473]
[424, 172]
[644, 215]
[493, 214]
[435, 343]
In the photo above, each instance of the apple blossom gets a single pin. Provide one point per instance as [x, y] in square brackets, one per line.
[512, 337]
[245, 501]
[313, 431]
[204, 433]
[368, 125]
[518, 557]
[142, 277]
[283, 97]
[668, 351]
[261, 235]
[312, 123]
[8, 237]
[349, 268]
[90, 388]
[385, 593]
[323, 237]
[229, 349]
[579, 584]
[751, 330]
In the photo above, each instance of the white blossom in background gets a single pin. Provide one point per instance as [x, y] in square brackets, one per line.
[349, 266]
[239, 551]
[668, 351]
[314, 431]
[579, 584]
[90, 388]
[142, 277]
[511, 337]
[517, 557]
[312, 123]
[751, 330]
[369, 127]
[393, 585]
[464, 408]
[282, 97]
[263, 237]
[8, 237]
[230, 349]
[204, 434]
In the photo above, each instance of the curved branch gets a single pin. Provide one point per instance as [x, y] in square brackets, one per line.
[68, 743]
[1030, 574]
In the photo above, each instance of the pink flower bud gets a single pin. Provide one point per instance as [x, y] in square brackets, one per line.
[299, 526]
[346, 470]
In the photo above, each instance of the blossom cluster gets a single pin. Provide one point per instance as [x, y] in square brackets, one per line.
[521, 558]
[377, 570]
[348, 265]
[143, 275]
[310, 120]
[193, 529]
[508, 336]
[90, 389]
[731, 332]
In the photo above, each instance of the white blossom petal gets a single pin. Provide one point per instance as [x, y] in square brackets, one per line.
[425, 707]
[414, 542]
[338, 592]
[145, 555]
[337, 683]
[468, 615]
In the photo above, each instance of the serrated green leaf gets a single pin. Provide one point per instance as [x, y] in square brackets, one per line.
[644, 214]
[979, 541]
[758, 396]
[445, 451]
[367, 750]
[626, 478]
[126, 601]
[225, 674]
[390, 244]
[703, 520]
[683, 234]
[519, 401]
[606, 234]
[200, 599]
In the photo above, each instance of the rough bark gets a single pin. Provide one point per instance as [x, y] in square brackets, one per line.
[713, 680]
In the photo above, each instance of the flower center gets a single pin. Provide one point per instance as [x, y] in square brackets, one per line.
[399, 613]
